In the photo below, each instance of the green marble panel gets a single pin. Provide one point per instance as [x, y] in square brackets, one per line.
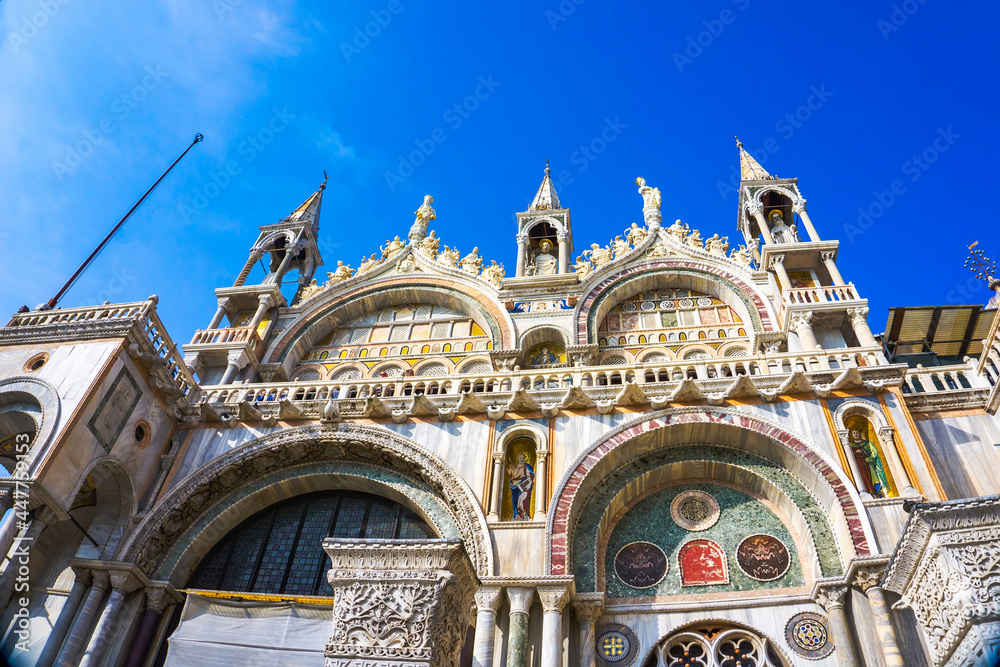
[740, 517]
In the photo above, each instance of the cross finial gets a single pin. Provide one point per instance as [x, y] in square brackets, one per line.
[982, 266]
[739, 144]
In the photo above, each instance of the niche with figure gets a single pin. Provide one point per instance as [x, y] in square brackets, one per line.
[517, 503]
[866, 449]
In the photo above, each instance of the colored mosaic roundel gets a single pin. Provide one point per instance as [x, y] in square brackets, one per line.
[617, 646]
[807, 635]
[763, 557]
[641, 564]
[694, 510]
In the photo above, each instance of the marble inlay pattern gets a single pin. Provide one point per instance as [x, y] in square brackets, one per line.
[585, 535]
[741, 515]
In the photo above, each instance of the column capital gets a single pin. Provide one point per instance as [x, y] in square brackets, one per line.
[801, 320]
[123, 580]
[488, 598]
[754, 207]
[831, 597]
[238, 358]
[858, 315]
[553, 598]
[588, 606]
[158, 598]
[867, 578]
[101, 580]
[44, 515]
[266, 300]
[799, 205]
[828, 255]
[522, 237]
[520, 599]
[82, 574]
[774, 260]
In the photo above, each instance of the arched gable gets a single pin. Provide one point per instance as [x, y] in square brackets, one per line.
[690, 273]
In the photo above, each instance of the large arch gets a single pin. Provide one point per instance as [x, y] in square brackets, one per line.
[326, 313]
[34, 399]
[687, 273]
[677, 427]
[220, 494]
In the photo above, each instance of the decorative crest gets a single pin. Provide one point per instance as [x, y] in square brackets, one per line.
[982, 266]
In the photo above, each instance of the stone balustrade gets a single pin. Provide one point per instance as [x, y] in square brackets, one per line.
[226, 337]
[821, 294]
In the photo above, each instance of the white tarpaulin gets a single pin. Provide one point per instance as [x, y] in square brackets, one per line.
[215, 632]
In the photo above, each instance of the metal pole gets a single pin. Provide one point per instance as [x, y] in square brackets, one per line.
[69, 283]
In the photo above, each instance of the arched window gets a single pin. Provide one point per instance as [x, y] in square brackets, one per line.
[279, 550]
[715, 646]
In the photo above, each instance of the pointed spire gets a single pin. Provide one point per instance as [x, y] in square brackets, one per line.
[546, 197]
[309, 210]
[750, 169]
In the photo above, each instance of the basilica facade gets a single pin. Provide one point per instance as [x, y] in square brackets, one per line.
[671, 449]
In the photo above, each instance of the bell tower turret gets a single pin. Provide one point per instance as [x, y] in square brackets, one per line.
[544, 233]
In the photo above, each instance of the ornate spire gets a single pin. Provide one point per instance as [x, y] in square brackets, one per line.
[309, 210]
[750, 169]
[546, 197]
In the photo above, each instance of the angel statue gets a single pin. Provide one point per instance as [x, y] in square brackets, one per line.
[636, 235]
[472, 262]
[368, 264]
[717, 246]
[583, 268]
[428, 247]
[494, 274]
[598, 255]
[424, 216]
[620, 247]
[340, 275]
[695, 239]
[678, 230]
[392, 248]
[449, 256]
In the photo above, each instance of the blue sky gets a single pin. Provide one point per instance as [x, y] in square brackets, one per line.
[100, 97]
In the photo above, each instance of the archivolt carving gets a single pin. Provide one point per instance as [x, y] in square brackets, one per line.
[307, 444]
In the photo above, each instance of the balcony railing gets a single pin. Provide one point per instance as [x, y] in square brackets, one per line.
[600, 385]
[821, 294]
[137, 320]
[226, 337]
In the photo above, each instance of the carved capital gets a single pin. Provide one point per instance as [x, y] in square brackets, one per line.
[799, 205]
[859, 316]
[266, 300]
[774, 261]
[520, 599]
[828, 255]
[588, 608]
[831, 597]
[488, 598]
[82, 574]
[801, 320]
[553, 598]
[867, 577]
[754, 207]
[158, 599]
[238, 358]
[44, 515]
[101, 580]
[225, 302]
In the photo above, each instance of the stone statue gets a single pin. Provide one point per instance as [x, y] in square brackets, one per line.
[368, 264]
[741, 256]
[545, 263]
[428, 247]
[717, 246]
[678, 230]
[598, 255]
[340, 275]
[660, 249]
[620, 247]
[583, 268]
[408, 265]
[650, 196]
[310, 290]
[472, 262]
[780, 232]
[636, 235]
[449, 256]
[424, 216]
[695, 239]
[494, 274]
[392, 248]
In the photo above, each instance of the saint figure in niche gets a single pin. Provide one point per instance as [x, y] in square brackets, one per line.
[545, 263]
[780, 232]
[520, 481]
[869, 460]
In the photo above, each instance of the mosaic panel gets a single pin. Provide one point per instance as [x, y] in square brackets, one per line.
[641, 564]
[808, 635]
[763, 557]
[694, 510]
[616, 646]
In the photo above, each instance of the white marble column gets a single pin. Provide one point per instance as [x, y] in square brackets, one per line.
[758, 214]
[801, 323]
[487, 603]
[553, 599]
[517, 633]
[867, 579]
[588, 608]
[65, 618]
[220, 313]
[237, 362]
[495, 492]
[831, 266]
[563, 253]
[522, 254]
[540, 485]
[777, 264]
[903, 482]
[122, 583]
[832, 600]
[859, 321]
[799, 207]
[80, 630]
